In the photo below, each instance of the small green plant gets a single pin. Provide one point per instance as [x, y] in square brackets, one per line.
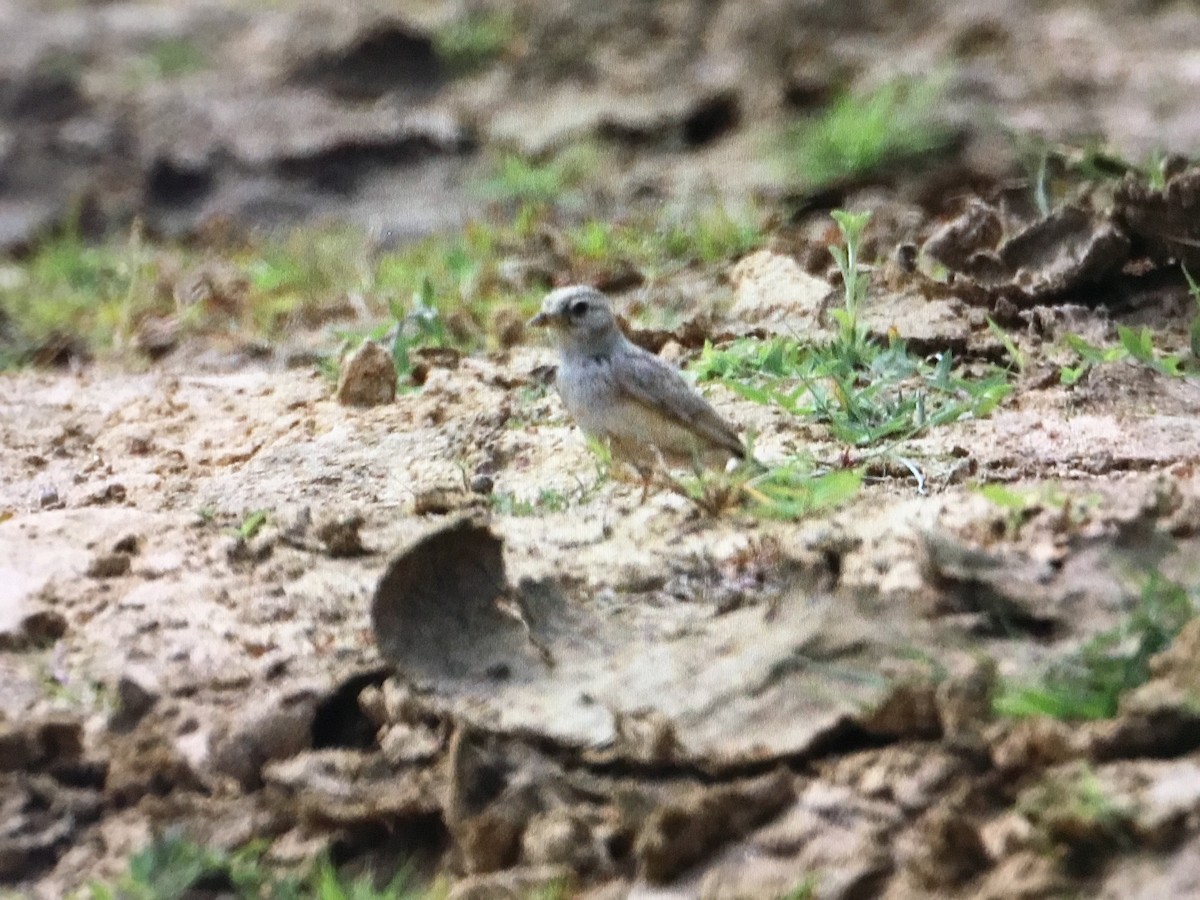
[1155, 169]
[548, 500]
[860, 134]
[805, 890]
[1133, 344]
[603, 455]
[852, 337]
[1140, 346]
[1194, 328]
[169, 58]
[470, 43]
[420, 326]
[295, 280]
[252, 525]
[793, 492]
[1089, 355]
[1018, 505]
[69, 691]
[1056, 170]
[1015, 357]
[705, 235]
[1089, 683]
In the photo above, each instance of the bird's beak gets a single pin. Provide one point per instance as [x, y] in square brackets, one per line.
[541, 320]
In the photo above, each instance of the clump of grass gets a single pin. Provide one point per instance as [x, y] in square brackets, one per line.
[472, 42]
[548, 500]
[69, 292]
[446, 290]
[707, 235]
[1070, 811]
[1089, 683]
[864, 391]
[713, 234]
[173, 867]
[861, 133]
[304, 278]
[169, 58]
[517, 179]
[792, 491]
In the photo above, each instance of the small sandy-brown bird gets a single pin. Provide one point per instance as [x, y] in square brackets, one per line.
[619, 394]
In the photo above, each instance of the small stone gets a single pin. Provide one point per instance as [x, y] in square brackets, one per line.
[239, 550]
[562, 837]
[43, 627]
[275, 726]
[109, 565]
[48, 498]
[127, 545]
[368, 377]
[24, 622]
[509, 328]
[439, 501]
[110, 493]
[137, 692]
[341, 538]
[672, 351]
[157, 336]
[482, 484]
[772, 290]
[404, 744]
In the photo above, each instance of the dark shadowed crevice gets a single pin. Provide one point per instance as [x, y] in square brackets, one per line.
[383, 848]
[340, 722]
[387, 60]
[711, 119]
[341, 169]
[175, 186]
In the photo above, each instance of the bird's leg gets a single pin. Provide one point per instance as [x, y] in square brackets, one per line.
[647, 480]
[647, 472]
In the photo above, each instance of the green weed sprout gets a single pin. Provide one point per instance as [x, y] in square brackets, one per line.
[851, 335]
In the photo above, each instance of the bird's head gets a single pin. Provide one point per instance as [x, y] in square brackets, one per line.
[580, 318]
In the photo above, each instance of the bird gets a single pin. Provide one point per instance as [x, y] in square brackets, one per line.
[639, 405]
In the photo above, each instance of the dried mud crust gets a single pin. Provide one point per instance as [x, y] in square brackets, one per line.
[311, 109]
[646, 696]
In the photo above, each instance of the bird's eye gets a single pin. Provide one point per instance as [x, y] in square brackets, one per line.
[578, 308]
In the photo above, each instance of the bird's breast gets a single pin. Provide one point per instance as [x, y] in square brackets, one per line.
[590, 392]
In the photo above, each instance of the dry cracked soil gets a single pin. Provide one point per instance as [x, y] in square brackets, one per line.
[435, 632]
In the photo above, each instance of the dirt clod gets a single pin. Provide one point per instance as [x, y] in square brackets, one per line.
[341, 536]
[368, 377]
[110, 565]
[691, 823]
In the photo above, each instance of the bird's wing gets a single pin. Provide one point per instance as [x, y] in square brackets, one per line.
[647, 380]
